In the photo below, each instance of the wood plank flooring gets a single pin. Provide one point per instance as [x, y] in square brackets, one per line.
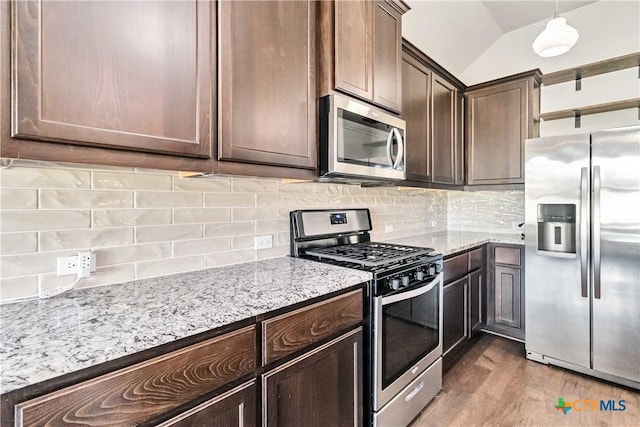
[494, 384]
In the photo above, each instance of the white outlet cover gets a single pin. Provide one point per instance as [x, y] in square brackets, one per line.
[264, 242]
[67, 265]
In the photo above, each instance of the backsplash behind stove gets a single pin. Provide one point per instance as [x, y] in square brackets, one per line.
[145, 223]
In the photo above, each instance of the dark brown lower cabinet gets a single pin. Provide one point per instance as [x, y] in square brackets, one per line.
[455, 329]
[505, 291]
[236, 407]
[475, 301]
[463, 302]
[321, 387]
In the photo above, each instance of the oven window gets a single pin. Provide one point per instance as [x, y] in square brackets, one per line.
[409, 332]
[363, 141]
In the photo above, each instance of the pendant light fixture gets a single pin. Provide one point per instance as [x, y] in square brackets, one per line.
[557, 37]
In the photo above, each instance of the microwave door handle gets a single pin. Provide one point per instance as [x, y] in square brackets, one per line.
[412, 293]
[400, 158]
[389, 147]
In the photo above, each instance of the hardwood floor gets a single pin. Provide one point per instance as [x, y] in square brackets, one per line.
[494, 384]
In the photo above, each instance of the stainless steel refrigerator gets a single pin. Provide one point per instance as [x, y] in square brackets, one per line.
[582, 259]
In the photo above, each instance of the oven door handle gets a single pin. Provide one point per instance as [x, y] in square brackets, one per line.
[412, 293]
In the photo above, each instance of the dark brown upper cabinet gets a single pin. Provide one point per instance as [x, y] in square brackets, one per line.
[433, 108]
[360, 50]
[501, 114]
[416, 111]
[446, 159]
[267, 84]
[128, 77]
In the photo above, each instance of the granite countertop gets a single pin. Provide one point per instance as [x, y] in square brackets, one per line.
[449, 242]
[43, 339]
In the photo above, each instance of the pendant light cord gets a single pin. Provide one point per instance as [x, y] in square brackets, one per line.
[555, 15]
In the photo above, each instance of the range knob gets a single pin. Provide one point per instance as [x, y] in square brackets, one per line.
[431, 269]
[394, 283]
[405, 281]
[438, 268]
[420, 275]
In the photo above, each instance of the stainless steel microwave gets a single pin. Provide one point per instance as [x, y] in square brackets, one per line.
[359, 142]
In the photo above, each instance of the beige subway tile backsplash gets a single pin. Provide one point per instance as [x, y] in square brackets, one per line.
[124, 217]
[201, 215]
[130, 181]
[16, 288]
[18, 198]
[35, 177]
[166, 199]
[18, 243]
[72, 239]
[166, 233]
[201, 246]
[132, 253]
[231, 200]
[169, 266]
[143, 223]
[85, 199]
[35, 220]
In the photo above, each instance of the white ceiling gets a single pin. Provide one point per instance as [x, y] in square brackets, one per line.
[455, 33]
[510, 15]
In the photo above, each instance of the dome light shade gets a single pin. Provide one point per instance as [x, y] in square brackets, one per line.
[556, 39]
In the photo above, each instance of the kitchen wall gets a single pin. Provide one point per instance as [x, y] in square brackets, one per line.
[492, 211]
[144, 223]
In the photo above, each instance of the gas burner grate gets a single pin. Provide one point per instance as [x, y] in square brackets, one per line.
[370, 254]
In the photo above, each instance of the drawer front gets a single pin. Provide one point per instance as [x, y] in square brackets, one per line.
[290, 332]
[507, 255]
[455, 267]
[476, 259]
[135, 394]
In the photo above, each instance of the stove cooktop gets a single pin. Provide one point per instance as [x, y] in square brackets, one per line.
[369, 254]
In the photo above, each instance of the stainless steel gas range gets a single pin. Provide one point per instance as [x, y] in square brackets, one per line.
[403, 357]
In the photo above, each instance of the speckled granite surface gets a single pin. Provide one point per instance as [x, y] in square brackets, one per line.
[44, 339]
[449, 242]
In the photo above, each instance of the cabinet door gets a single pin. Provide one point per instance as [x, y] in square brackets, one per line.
[443, 152]
[497, 123]
[476, 283]
[354, 47]
[322, 387]
[267, 82]
[234, 408]
[455, 314]
[127, 75]
[458, 144]
[387, 56]
[416, 90]
[507, 296]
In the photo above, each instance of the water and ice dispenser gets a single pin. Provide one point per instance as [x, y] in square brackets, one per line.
[557, 229]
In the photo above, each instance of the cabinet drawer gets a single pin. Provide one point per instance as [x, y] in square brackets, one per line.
[293, 331]
[455, 267]
[476, 259]
[137, 393]
[506, 255]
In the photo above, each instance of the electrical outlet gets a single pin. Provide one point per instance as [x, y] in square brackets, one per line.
[84, 264]
[264, 242]
[67, 265]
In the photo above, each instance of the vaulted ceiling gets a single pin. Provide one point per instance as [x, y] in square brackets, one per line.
[456, 33]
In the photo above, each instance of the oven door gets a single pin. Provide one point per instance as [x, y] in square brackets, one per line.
[407, 337]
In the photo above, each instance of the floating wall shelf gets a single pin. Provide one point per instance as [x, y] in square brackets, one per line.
[591, 109]
[593, 69]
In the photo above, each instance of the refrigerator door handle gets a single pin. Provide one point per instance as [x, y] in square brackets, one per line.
[584, 231]
[596, 232]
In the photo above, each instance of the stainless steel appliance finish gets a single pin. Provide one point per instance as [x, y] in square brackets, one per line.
[360, 142]
[403, 309]
[583, 297]
[410, 401]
